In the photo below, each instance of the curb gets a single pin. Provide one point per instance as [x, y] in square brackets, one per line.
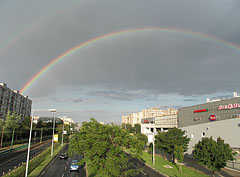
[50, 163]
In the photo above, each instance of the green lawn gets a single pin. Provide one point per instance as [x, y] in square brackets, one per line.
[160, 163]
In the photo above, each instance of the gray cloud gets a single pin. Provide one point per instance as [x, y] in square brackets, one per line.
[118, 95]
[154, 62]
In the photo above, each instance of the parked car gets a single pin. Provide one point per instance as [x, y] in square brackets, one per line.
[63, 156]
[74, 165]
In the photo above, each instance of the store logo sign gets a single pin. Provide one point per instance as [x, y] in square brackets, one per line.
[212, 118]
[229, 106]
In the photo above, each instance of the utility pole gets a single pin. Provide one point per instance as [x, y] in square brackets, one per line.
[53, 135]
[62, 131]
[41, 135]
[12, 137]
[2, 137]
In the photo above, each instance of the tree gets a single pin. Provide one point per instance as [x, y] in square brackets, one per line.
[11, 123]
[179, 154]
[2, 124]
[26, 123]
[137, 128]
[213, 154]
[102, 147]
[167, 141]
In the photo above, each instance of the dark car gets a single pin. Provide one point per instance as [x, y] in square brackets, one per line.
[63, 156]
[74, 165]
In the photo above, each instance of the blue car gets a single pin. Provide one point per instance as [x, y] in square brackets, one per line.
[74, 165]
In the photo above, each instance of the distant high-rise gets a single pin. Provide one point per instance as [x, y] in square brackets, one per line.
[14, 102]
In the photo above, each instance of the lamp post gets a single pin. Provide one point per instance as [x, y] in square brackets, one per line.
[52, 110]
[62, 131]
[30, 136]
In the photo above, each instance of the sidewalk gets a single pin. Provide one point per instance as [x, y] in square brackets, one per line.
[189, 162]
[226, 172]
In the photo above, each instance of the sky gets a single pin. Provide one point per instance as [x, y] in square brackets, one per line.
[178, 53]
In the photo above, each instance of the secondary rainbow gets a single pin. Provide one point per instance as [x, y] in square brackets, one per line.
[119, 33]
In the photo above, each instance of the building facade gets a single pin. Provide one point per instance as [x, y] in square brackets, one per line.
[14, 102]
[151, 126]
[216, 118]
[136, 118]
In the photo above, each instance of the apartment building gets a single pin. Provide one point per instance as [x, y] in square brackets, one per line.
[11, 100]
[136, 118]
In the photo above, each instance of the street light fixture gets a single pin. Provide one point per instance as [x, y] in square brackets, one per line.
[30, 136]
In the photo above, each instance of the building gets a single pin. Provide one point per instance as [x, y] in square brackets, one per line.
[135, 118]
[216, 118]
[13, 101]
[50, 120]
[67, 120]
[151, 126]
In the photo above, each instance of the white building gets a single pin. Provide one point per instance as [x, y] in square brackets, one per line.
[151, 126]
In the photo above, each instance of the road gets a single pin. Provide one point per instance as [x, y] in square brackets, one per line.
[60, 167]
[20, 157]
[147, 171]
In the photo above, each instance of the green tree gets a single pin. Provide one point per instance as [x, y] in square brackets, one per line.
[26, 123]
[137, 128]
[12, 123]
[179, 154]
[213, 154]
[167, 141]
[102, 147]
[2, 124]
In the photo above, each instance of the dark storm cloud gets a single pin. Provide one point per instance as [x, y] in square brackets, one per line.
[158, 62]
[118, 95]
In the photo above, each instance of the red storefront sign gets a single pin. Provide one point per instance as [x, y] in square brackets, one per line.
[146, 121]
[229, 106]
[212, 117]
[200, 110]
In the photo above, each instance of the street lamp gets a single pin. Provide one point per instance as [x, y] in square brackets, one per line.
[52, 110]
[62, 130]
[30, 136]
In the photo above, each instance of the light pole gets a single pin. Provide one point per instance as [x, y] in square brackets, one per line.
[52, 110]
[30, 136]
[62, 131]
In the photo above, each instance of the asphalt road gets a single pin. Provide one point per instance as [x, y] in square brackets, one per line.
[60, 167]
[20, 157]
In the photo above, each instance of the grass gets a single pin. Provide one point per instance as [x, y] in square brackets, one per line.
[35, 163]
[39, 169]
[160, 163]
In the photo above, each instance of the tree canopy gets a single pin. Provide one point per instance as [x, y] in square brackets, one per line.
[168, 141]
[213, 154]
[103, 149]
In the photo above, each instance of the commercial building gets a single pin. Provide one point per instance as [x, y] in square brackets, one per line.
[14, 102]
[151, 126]
[216, 118]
